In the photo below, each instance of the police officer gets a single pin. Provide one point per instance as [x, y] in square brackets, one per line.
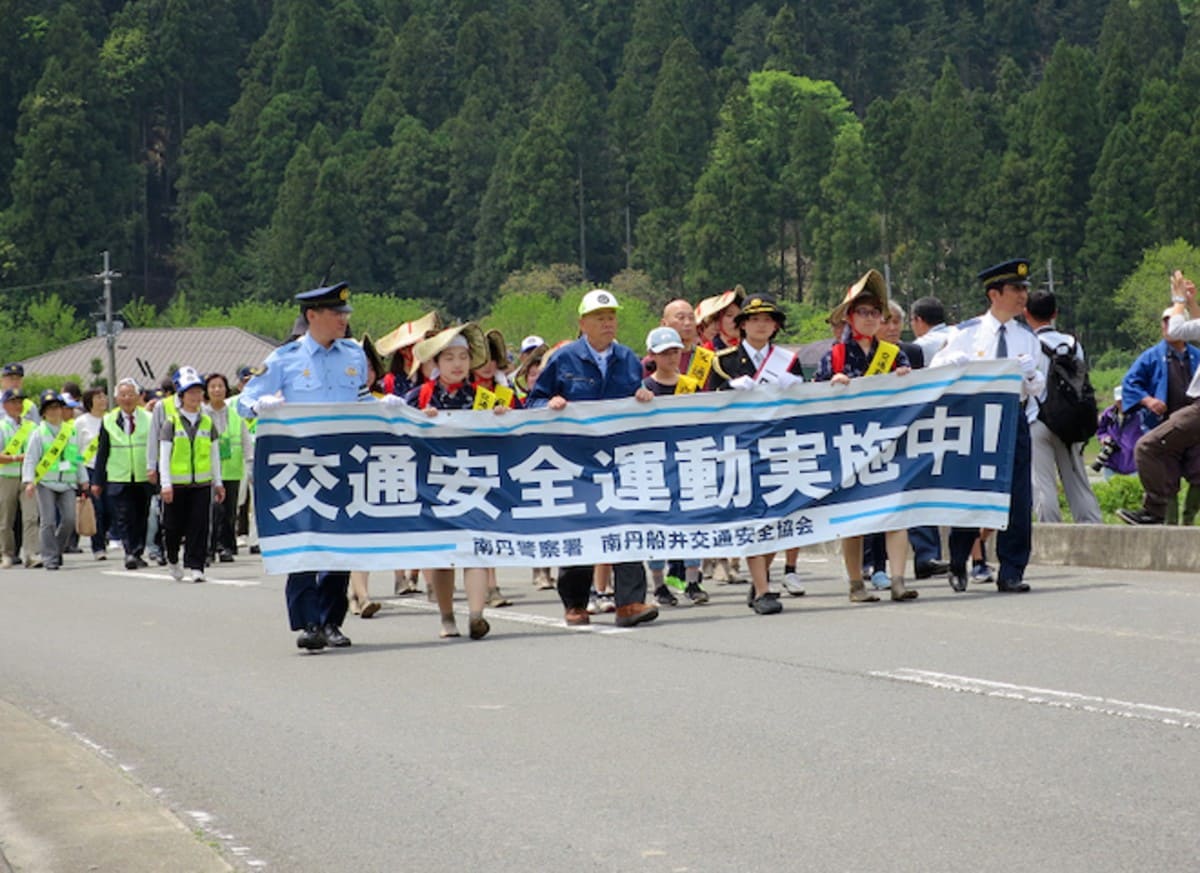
[12, 377]
[997, 334]
[322, 366]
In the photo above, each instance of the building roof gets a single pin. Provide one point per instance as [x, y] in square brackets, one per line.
[149, 354]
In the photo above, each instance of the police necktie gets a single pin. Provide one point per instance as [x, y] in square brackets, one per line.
[1002, 344]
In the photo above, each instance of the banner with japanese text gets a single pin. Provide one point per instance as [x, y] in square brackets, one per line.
[374, 487]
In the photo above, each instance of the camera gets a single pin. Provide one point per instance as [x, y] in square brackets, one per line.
[1107, 447]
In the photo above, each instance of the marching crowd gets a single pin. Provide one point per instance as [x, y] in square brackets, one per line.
[167, 470]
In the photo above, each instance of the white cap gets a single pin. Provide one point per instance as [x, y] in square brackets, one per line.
[1168, 312]
[662, 339]
[593, 301]
[531, 342]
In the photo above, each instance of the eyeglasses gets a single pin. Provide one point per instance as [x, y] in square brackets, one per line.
[867, 312]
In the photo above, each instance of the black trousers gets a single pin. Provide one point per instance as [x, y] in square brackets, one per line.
[185, 520]
[224, 521]
[318, 598]
[575, 584]
[130, 502]
[1014, 544]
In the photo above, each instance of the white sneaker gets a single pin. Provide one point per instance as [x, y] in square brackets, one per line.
[593, 606]
[608, 602]
[6, 563]
[176, 572]
[792, 584]
[198, 576]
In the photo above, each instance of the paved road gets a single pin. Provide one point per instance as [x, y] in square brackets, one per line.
[1058, 730]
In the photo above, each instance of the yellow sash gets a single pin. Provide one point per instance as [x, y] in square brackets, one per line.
[484, 399]
[54, 451]
[14, 445]
[885, 356]
[686, 384]
[90, 450]
[701, 364]
[504, 394]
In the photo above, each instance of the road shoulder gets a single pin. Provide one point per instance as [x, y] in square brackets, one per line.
[62, 807]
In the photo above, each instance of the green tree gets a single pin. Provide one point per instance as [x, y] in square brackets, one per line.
[1144, 292]
[210, 268]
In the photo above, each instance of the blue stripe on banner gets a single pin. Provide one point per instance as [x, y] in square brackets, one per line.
[362, 550]
[936, 504]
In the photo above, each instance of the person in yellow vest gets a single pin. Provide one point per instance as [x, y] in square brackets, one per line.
[236, 449]
[14, 436]
[189, 475]
[88, 423]
[120, 474]
[54, 471]
[12, 376]
[160, 404]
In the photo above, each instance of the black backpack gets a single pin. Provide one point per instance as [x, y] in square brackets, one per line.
[1070, 409]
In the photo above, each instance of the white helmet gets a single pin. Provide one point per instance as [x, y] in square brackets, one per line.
[185, 378]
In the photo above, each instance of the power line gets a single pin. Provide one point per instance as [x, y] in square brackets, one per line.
[53, 284]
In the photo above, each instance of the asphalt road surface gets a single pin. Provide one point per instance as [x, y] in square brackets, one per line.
[1057, 730]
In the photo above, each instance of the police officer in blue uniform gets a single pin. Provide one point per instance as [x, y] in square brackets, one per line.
[997, 334]
[321, 366]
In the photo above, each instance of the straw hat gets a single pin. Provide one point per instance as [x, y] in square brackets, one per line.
[497, 349]
[428, 349]
[710, 307]
[534, 356]
[409, 333]
[871, 285]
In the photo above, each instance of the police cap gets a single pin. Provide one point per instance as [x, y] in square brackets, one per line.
[13, 370]
[1014, 272]
[335, 297]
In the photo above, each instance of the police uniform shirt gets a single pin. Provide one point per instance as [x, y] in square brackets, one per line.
[307, 372]
[977, 339]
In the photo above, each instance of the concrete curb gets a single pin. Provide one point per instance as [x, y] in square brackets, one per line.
[64, 808]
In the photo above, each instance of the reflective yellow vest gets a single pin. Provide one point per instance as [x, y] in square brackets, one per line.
[127, 452]
[191, 459]
[229, 443]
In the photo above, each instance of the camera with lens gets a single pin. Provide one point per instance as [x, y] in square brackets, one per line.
[1107, 447]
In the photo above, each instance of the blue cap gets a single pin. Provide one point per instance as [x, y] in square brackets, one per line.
[11, 394]
[333, 297]
[1014, 272]
[13, 370]
[48, 398]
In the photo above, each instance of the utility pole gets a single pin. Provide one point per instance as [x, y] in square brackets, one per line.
[110, 334]
[1050, 274]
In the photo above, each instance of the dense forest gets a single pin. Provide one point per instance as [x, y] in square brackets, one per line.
[240, 150]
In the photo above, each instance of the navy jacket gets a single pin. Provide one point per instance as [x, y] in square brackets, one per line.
[573, 374]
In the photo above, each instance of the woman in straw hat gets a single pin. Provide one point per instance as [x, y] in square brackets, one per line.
[859, 352]
[716, 318]
[455, 351]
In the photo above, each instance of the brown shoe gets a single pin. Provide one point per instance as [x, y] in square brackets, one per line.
[371, 607]
[635, 613]
[860, 594]
[577, 617]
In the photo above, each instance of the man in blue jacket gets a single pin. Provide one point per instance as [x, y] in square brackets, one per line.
[596, 367]
[1161, 382]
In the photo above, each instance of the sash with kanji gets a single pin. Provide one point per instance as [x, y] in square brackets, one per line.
[686, 385]
[701, 364]
[54, 451]
[775, 367]
[883, 360]
[484, 399]
[17, 440]
[91, 448]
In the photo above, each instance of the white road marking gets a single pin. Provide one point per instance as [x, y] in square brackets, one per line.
[209, 580]
[507, 614]
[1046, 697]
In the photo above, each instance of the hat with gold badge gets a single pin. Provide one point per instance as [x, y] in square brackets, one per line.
[335, 297]
[1014, 272]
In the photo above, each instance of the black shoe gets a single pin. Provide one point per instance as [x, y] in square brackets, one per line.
[929, 569]
[767, 604]
[695, 593]
[131, 564]
[664, 597]
[311, 638]
[161, 561]
[1138, 516]
[336, 638]
[255, 550]
[226, 557]
[1012, 587]
[141, 562]
[958, 579]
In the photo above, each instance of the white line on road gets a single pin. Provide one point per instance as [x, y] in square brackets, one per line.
[518, 618]
[1046, 697]
[209, 580]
